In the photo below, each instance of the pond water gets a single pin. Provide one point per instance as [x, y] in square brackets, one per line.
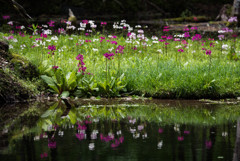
[144, 132]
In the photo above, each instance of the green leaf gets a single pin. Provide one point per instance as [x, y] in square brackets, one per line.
[50, 82]
[65, 94]
[72, 115]
[71, 80]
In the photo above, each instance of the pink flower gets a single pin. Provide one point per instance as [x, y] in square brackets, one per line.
[180, 50]
[160, 130]
[109, 55]
[80, 136]
[103, 23]
[180, 138]
[186, 132]
[51, 23]
[5, 17]
[195, 18]
[186, 34]
[55, 67]
[208, 144]
[208, 52]
[85, 21]
[43, 35]
[52, 144]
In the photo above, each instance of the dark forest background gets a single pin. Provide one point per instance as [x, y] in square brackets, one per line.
[112, 9]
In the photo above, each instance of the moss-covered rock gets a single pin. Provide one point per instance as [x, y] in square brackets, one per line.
[15, 75]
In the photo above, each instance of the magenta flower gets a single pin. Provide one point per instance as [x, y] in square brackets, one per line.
[82, 68]
[160, 130]
[55, 67]
[194, 28]
[109, 55]
[180, 50]
[121, 139]
[85, 21]
[208, 144]
[166, 28]
[186, 132]
[186, 29]
[196, 37]
[43, 35]
[184, 42]
[169, 37]
[116, 144]
[80, 136]
[208, 52]
[52, 144]
[6, 17]
[186, 34]
[114, 42]
[103, 23]
[180, 138]
[119, 49]
[163, 37]
[52, 47]
[51, 23]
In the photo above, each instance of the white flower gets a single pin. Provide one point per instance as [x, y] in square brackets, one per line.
[140, 31]
[95, 49]
[93, 26]
[155, 42]
[224, 134]
[135, 136]
[138, 26]
[160, 50]
[119, 132]
[154, 38]
[144, 136]
[60, 133]
[68, 22]
[10, 23]
[10, 47]
[54, 38]
[22, 27]
[82, 25]
[225, 46]
[160, 144]
[91, 146]
[81, 28]
[45, 26]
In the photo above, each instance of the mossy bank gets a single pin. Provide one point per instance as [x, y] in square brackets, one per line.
[18, 77]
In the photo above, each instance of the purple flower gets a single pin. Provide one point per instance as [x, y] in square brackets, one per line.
[51, 23]
[180, 138]
[80, 136]
[6, 17]
[180, 50]
[208, 52]
[186, 34]
[196, 37]
[160, 130]
[43, 35]
[52, 144]
[119, 49]
[55, 67]
[52, 47]
[208, 144]
[186, 132]
[221, 37]
[109, 55]
[232, 19]
[103, 23]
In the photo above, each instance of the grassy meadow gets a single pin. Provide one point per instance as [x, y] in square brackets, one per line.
[83, 61]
